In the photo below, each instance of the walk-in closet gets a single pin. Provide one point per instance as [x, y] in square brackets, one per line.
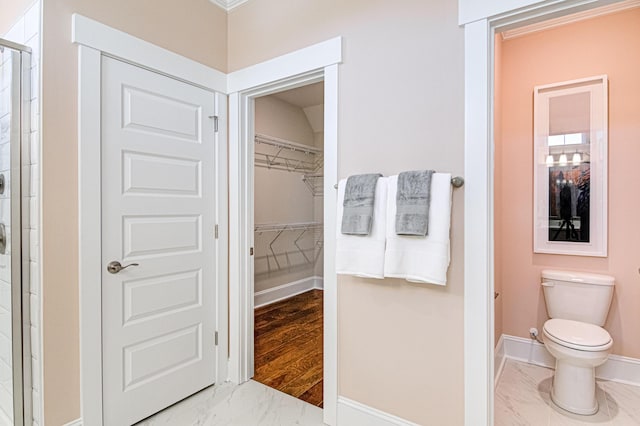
[288, 241]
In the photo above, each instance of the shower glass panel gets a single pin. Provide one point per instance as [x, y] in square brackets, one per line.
[15, 61]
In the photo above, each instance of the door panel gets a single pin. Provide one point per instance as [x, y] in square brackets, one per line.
[160, 114]
[143, 362]
[158, 211]
[160, 235]
[149, 297]
[157, 175]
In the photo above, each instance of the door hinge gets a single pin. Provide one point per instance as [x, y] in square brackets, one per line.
[216, 231]
[215, 122]
[251, 251]
[215, 338]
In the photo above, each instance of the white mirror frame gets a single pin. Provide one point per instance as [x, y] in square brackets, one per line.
[597, 245]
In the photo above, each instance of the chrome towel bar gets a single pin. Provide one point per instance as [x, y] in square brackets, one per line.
[456, 181]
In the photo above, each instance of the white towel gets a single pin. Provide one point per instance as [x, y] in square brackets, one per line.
[363, 255]
[416, 258]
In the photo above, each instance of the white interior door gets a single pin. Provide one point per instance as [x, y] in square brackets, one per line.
[158, 215]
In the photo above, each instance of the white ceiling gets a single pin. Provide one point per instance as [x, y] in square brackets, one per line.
[315, 117]
[310, 99]
[304, 96]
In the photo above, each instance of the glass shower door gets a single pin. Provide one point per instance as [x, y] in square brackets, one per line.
[14, 325]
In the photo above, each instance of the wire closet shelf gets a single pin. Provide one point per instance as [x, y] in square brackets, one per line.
[280, 154]
[302, 229]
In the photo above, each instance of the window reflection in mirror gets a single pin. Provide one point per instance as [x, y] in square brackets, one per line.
[569, 167]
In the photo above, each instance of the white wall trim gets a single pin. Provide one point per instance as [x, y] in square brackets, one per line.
[76, 422]
[478, 225]
[158, 60]
[285, 291]
[481, 20]
[474, 10]
[498, 360]
[521, 10]
[330, 279]
[309, 65]
[238, 234]
[351, 412]
[228, 4]
[527, 350]
[89, 232]
[569, 19]
[301, 61]
[222, 243]
[90, 33]
[318, 283]
[617, 368]
[620, 369]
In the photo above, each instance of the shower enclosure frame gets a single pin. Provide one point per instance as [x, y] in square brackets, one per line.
[19, 185]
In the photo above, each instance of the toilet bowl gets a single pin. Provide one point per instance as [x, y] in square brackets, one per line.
[578, 304]
[578, 348]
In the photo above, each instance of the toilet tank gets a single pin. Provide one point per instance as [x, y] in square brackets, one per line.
[577, 296]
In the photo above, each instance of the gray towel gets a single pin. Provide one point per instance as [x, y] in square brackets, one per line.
[412, 202]
[359, 194]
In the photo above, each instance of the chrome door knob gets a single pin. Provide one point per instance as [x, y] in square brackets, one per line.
[114, 266]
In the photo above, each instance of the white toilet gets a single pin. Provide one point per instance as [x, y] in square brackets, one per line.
[578, 304]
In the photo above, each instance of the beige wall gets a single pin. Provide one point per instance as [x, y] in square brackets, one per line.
[401, 108]
[11, 11]
[193, 28]
[597, 46]
[281, 197]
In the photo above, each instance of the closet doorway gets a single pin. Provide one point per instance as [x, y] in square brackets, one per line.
[288, 241]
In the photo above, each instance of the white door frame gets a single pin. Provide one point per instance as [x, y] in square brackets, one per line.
[309, 65]
[95, 40]
[481, 21]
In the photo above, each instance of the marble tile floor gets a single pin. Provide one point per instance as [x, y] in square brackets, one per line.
[4, 420]
[248, 404]
[523, 399]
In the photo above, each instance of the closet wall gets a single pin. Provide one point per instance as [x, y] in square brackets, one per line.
[283, 197]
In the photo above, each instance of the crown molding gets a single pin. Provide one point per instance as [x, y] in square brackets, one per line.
[228, 4]
[569, 19]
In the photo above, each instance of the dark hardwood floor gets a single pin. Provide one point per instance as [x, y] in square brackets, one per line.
[288, 346]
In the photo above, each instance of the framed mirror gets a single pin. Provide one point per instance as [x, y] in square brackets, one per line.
[570, 167]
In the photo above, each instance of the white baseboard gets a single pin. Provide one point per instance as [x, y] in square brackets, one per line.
[498, 360]
[76, 422]
[281, 292]
[354, 413]
[617, 368]
[620, 369]
[318, 283]
[527, 350]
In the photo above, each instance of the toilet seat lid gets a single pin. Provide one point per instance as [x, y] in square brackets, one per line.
[577, 335]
